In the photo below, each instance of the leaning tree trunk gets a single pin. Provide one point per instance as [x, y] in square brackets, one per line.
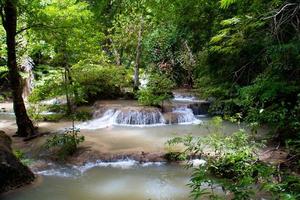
[138, 58]
[9, 19]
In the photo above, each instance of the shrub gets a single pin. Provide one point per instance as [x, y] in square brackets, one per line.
[49, 86]
[94, 82]
[158, 89]
[21, 156]
[67, 143]
[232, 164]
[35, 111]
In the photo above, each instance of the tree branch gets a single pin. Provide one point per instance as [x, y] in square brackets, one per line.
[29, 27]
[282, 9]
[41, 26]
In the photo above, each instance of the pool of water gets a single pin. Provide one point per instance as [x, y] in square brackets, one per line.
[123, 181]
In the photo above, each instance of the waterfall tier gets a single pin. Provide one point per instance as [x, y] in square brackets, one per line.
[185, 115]
[129, 113]
[139, 117]
[130, 116]
[181, 97]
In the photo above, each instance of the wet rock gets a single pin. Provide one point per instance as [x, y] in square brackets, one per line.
[200, 108]
[13, 173]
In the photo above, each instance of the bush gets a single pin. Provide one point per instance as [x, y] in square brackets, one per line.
[21, 156]
[232, 163]
[50, 86]
[67, 143]
[35, 111]
[158, 89]
[94, 82]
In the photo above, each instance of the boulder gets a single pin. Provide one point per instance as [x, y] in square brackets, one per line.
[13, 173]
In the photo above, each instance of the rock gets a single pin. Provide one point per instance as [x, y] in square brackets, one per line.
[200, 108]
[13, 173]
[171, 118]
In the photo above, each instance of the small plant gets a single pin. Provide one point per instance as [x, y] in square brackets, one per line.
[2, 98]
[21, 156]
[66, 143]
[35, 111]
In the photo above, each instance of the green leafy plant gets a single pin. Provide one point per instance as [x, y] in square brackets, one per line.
[99, 81]
[65, 143]
[231, 163]
[35, 111]
[158, 89]
[22, 157]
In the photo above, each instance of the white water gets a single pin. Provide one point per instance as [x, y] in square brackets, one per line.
[125, 118]
[75, 171]
[54, 101]
[139, 118]
[184, 98]
[185, 116]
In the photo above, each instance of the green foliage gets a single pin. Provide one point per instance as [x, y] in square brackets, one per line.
[66, 143]
[227, 3]
[62, 26]
[274, 102]
[232, 163]
[94, 82]
[35, 111]
[82, 116]
[21, 156]
[47, 87]
[247, 70]
[158, 89]
[287, 189]
[3, 71]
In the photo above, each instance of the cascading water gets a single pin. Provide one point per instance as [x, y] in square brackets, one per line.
[184, 97]
[105, 121]
[136, 117]
[27, 66]
[185, 116]
[125, 117]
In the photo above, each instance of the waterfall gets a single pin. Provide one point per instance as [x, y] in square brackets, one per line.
[184, 97]
[125, 117]
[105, 121]
[27, 67]
[185, 116]
[136, 117]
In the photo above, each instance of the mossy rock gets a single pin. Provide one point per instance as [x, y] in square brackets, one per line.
[13, 173]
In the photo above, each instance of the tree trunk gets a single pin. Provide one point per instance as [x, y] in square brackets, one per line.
[190, 64]
[116, 53]
[67, 77]
[138, 58]
[9, 21]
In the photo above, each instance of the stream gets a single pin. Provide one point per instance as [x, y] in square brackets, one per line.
[119, 130]
[120, 181]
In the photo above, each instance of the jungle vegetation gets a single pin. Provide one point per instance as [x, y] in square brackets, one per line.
[243, 56]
